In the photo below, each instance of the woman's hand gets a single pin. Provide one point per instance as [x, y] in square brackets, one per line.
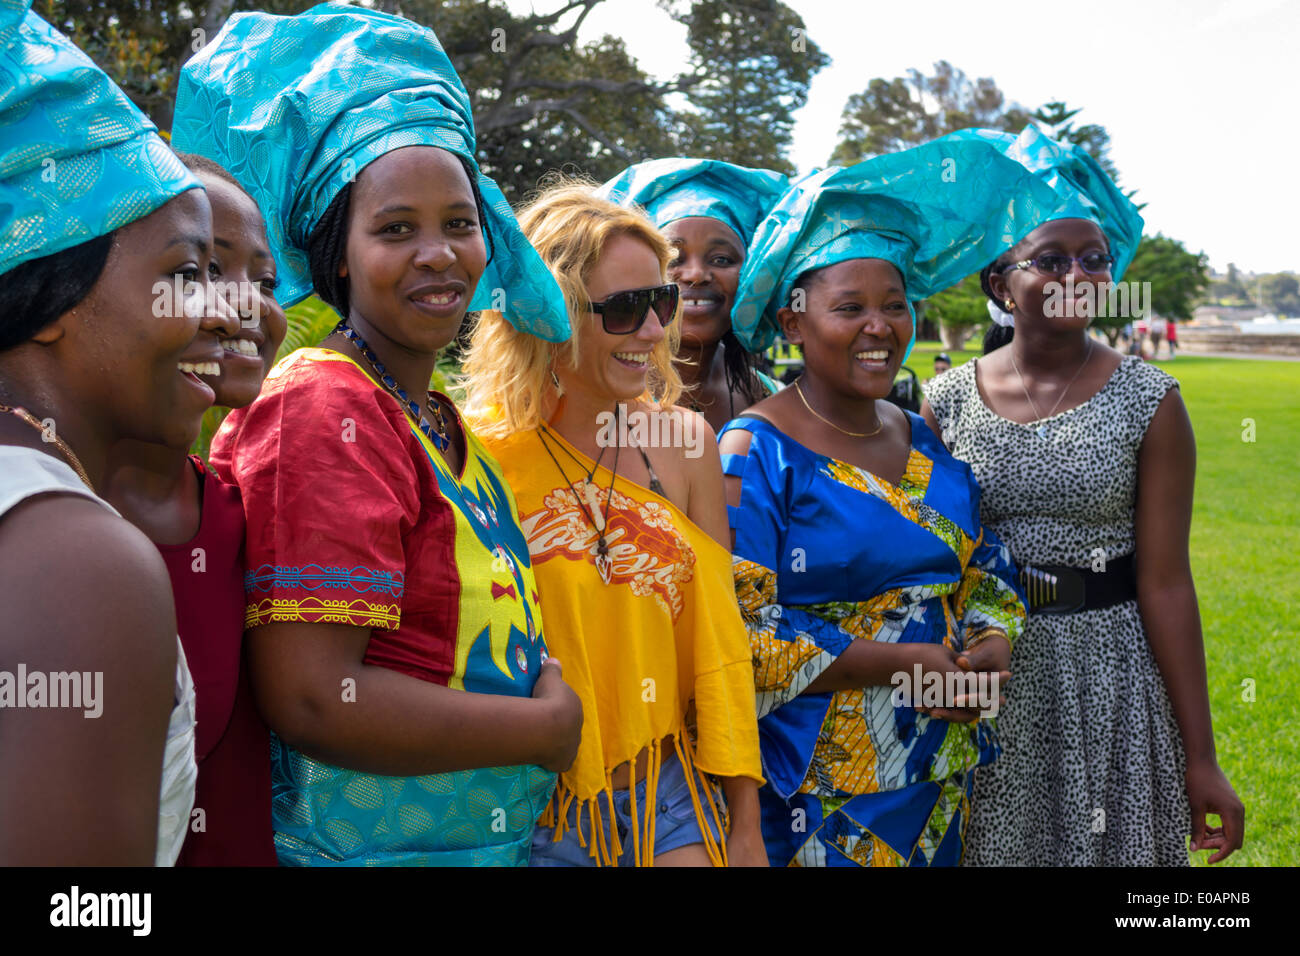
[564, 713]
[1208, 791]
[992, 655]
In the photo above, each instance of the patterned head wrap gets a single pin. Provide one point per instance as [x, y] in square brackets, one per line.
[1083, 188]
[77, 158]
[672, 189]
[937, 212]
[296, 107]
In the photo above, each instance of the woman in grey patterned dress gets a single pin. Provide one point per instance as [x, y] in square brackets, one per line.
[1086, 459]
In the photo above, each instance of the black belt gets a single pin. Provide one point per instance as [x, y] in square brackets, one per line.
[1057, 589]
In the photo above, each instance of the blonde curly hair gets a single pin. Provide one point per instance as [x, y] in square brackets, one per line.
[506, 373]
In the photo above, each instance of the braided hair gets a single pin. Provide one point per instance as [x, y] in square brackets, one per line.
[996, 335]
[327, 245]
[36, 293]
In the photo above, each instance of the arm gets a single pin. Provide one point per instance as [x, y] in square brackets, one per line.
[928, 414]
[84, 592]
[1171, 619]
[745, 841]
[393, 724]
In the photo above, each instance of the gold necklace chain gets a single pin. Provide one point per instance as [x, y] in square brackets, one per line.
[58, 442]
[831, 423]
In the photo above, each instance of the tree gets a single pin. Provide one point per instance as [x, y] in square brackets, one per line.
[540, 99]
[1280, 293]
[959, 309]
[1177, 277]
[752, 65]
[891, 115]
[1057, 121]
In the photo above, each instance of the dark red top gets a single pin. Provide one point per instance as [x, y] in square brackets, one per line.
[232, 745]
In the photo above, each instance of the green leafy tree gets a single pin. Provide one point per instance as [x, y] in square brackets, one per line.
[752, 63]
[1057, 120]
[890, 115]
[1177, 277]
[1280, 293]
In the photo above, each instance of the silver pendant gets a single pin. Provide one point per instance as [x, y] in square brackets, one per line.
[1042, 432]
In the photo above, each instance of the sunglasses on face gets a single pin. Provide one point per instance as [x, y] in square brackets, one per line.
[1054, 264]
[622, 313]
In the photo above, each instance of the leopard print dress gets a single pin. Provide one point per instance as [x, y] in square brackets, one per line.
[1092, 763]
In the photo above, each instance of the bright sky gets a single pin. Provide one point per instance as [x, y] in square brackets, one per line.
[1201, 97]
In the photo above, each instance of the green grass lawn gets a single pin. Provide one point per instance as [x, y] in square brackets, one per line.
[1245, 547]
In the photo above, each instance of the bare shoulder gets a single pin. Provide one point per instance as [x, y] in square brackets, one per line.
[73, 570]
[697, 452]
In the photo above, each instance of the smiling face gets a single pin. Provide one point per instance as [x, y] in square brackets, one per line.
[243, 267]
[613, 368]
[707, 256]
[132, 345]
[1029, 291]
[415, 248]
[855, 326]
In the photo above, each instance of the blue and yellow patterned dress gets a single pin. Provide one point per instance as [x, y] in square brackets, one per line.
[826, 553]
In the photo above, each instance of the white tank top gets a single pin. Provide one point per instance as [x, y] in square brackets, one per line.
[25, 472]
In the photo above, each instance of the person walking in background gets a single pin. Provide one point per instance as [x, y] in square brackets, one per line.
[1086, 460]
[1158, 326]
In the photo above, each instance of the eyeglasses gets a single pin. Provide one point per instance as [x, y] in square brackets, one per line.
[624, 312]
[1054, 264]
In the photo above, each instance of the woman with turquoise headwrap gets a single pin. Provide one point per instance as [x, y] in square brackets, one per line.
[106, 316]
[860, 559]
[708, 210]
[1087, 461]
[396, 645]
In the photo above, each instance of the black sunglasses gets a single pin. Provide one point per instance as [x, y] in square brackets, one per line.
[622, 313]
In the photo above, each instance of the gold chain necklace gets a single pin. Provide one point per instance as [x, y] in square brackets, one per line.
[58, 442]
[831, 423]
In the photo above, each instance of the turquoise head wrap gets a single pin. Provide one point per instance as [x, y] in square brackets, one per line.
[296, 107]
[672, 189]
[936, 212]
[1083, 188]
[77, 158]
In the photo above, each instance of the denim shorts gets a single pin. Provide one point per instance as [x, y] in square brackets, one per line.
[675, 822]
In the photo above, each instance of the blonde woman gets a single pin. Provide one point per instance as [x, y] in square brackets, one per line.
[621, 500]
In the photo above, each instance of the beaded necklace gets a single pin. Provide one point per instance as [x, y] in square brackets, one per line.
[438, 434]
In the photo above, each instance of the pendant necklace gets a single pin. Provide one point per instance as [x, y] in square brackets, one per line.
[58, 442]
[1039, 419]
[589, 499]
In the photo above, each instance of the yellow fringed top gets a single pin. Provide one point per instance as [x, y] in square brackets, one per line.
[664, 631]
